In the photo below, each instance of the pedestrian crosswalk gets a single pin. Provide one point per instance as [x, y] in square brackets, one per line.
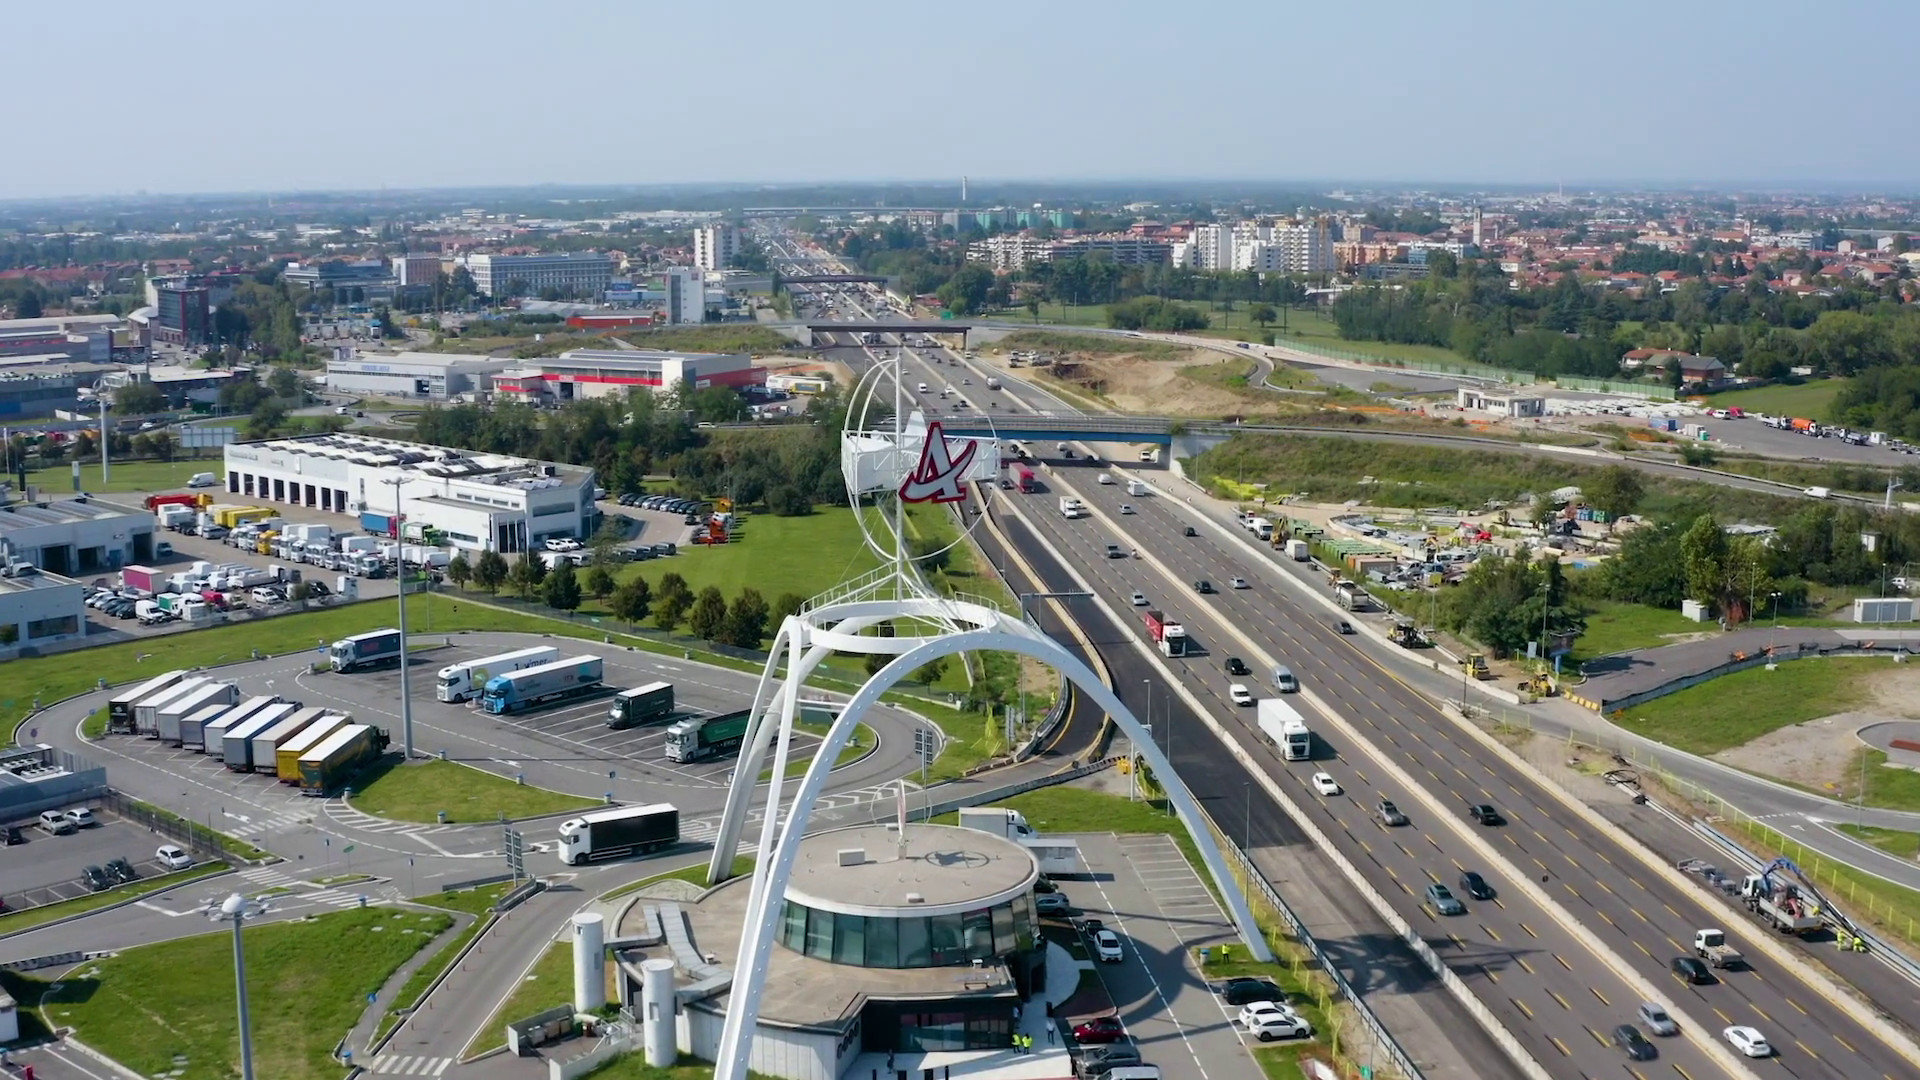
[339, 812]
[287, 890]
[409, 1065]
[261, 824]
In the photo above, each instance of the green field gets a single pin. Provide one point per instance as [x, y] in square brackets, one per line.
[1306, 328]
[1735, 709]
[15, 921]
[1092, 344]
[1615, 627]
[418, 792]
[548, 983]
[128, 476]
[153, 1007]
[1813, 400]
[804, 555]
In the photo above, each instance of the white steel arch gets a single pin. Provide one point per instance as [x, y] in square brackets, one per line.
[807, 639]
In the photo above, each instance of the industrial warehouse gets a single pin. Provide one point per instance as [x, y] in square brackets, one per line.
[476, 501]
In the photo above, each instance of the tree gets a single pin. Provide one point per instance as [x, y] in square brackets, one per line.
[285, 383]
[931, 671]
[1617, 490]
[268, 415]
[160, 445]
[747, 619]
[1033, 309]
[787, 603]
[460, 571]
[632, 601]
[491, 571]
[27, 306]
[526, 575]
[708, 620]
[600, 582]
[1261, 314]
[139, 399]
[671, 601]
[605, 544]
[561, 590]
[1703, 553]
[1649, 569]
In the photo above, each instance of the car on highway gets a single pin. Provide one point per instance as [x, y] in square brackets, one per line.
[1238, 583]
[1325, 784]
[1106, 947]
[1245, 990]
[1053, 903]
[1237, 666]
[1239, 694]
[1099, 1031]
[1628, 1038]
[1692, 969]
[1389, 813]
[172, 857]
[1126, 508]
[1485, 814]
[1444, 901]
[1475, 886]
[1203, 587]
[1342, 626]
[1139, 599]
[1189, 531]
[1748, 1041]
[1658, 1019]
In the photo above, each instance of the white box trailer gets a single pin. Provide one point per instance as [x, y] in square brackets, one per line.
[167, 718]
[1285, 728]
[212, 732]
[120, 706]
[460, 682]
[146, 712]
[265, 743]
[237, 741]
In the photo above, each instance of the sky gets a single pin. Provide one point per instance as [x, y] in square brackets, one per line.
[240, 95]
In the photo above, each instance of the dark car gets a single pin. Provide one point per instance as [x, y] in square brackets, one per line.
[318, 589]
[1342, 626]
[1045, 884]
[1692, 969]
[14, 836]
[1189, 532]
[1097, 1061]
[1237, 666]
[1100, 1030]
[120, 870]
[96, 878]
[1245, 991]
[1628, 1038]
[1485, 814]
[1203, 586]
[1475, 886]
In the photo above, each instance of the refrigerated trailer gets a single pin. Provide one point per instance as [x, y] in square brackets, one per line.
[263, 755]
[361, 651]
[167, 718]
[459, 682]
[236, 742]
[286, 754]
[546, 684]
[604, 834]
[146, 713]
[212, 733]
[120, 706]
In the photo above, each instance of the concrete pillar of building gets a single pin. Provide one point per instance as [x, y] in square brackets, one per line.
[589, 962]
[659, 1025]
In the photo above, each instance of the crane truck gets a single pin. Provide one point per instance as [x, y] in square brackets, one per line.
[1784, 905]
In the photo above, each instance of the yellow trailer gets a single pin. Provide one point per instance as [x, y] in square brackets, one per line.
[286, 759]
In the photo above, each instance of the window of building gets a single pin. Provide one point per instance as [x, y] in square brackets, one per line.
[820, 934]
[949, 946]
[794, 932]
[54, 627]
[1003, 936]
[849, 939]
[978, 930]
[883, 942]
[915, 944]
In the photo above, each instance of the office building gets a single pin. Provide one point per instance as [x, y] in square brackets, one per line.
[426, 376]
[76, 537]
[714, 246]
[350, 279]
[587, 373]
[480, 502]
[42, 609]
[182, 316]
[83, 338]
[571, 273]
[686, 288]
[416, 271]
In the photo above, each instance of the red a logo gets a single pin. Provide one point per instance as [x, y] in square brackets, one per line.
[937, 477]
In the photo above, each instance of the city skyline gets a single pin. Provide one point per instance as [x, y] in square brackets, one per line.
[434, 95]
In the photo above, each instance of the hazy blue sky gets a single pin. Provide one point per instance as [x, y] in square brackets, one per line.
[115, 96]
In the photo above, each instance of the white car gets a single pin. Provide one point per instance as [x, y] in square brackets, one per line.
[1325, 784]
[82, 817]
[1748, 1041]
[1238, 583]
[1126, 508]
[563, 545]
[1106, 946]
[1239, 694]
[172, 857]
[1255, 1013]
[1139, 599]
[1271, 1026]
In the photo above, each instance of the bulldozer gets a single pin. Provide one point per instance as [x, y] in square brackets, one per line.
[1406, 635]
[1539, 684]
[1475, 664]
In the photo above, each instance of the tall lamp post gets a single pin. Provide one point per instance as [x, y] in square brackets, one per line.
[237, 909]
[406, 696]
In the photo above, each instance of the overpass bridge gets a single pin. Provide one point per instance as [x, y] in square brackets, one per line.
[931, 329]
[833, 279]
[1027, 426]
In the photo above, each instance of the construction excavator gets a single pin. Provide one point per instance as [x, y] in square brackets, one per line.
[1539, 684]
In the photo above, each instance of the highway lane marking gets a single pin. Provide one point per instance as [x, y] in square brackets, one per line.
[1555, 1040]
[1670, 910]
[1798, 1009]
[1601, 996]
[1603, 885]
[1529, 930]
[1637, 1074]
[1522, 1006]
[1597, 1037]
[1722, 1015]
[1454, 861]
[1563, 961]
[1685, 1075]
[1563, 1001]
[1524, 966]
[1436, 846]
[1807, 1048]
[1638, 914]
[1607, 917]
[1489, 931]
[1846, 1044]
[1761, 1011]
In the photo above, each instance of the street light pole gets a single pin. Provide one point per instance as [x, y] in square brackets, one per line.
[237, 909]
[406, 686]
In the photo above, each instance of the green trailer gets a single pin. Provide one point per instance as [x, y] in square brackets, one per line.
[702, 737]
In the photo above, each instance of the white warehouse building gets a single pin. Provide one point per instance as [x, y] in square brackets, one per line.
[419, 375]
[480, 502]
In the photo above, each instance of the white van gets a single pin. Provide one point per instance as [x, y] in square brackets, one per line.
[201, 479]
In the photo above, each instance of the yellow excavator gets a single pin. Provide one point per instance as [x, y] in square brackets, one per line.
[1539, 684]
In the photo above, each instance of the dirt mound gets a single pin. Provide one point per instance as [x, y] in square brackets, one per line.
[1190, 386]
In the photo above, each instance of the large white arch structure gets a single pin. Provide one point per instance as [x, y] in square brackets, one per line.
[805, 640]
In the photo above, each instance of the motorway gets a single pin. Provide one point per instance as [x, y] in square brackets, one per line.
[1557, 987]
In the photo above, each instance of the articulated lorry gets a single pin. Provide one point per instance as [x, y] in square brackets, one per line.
[120, 706]
[1170, 635]
[146, 711]
[647, 704]
[209, 736]
[544, 684]
[606, 834]
[327, 767]
[700, 737]
[459, 682]
[1286, 729]
[362, 651]
[998, 820]
[287, 752]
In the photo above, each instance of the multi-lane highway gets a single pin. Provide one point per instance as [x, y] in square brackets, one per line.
[1561, 956]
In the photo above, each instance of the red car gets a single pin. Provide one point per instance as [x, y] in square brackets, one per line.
[1104, 1029]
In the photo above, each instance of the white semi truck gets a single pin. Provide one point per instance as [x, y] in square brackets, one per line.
[1285, 728]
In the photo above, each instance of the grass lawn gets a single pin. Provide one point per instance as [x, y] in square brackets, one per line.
[696, 874]
[804, 555]
[476, 902]
[419, 791]
[548, 983]
[1892, 841]
[862, 744]
[1891, 908]
[1812, 399]
[1733, 709]
[307, 983]
[1616, 627]
[125, 476]
[1282, 1059]
[14, 922]
[1893, 788]
[727, 337]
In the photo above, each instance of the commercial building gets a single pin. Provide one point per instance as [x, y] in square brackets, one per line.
[477, 501]
[715, 246]
[571, 273]
[182, 314]
[1474, 399]
[1010, 251]
[369, 279]
[41, 386]
[910, 944]
[86, 338]
[588, 373]
[76, 537]
[42, 609]
[416, 271]
[686, 289]
[429, 376]
[36, 778]
[181, 386]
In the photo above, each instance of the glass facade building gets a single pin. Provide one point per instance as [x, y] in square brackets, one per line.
[910, 940]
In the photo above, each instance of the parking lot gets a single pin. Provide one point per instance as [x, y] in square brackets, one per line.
[1143, 889]
[48, 868]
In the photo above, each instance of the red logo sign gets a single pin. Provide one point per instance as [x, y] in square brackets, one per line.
[937, 477]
